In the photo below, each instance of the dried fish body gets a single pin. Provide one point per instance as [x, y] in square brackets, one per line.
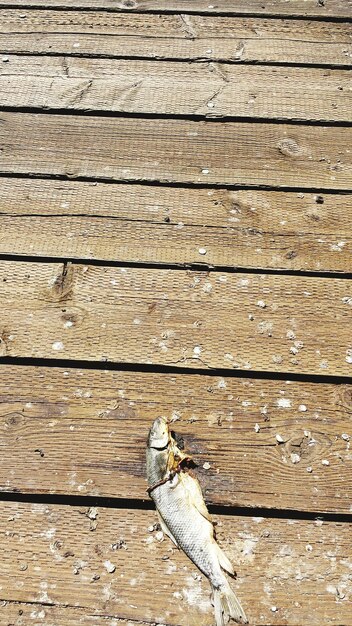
[185, 519]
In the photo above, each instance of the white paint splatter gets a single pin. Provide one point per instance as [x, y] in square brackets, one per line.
[337, 247]
[58, 345]
[110, 567]
[195, 596]
[295, 458]
[284, 403]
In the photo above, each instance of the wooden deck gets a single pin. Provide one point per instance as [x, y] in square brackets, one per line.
[175, 239]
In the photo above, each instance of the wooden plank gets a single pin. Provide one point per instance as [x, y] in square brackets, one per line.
[276, 155]
[175, 37]
[270, 229]
[309, 8]
[182, 318]
[37, 613]
[55, 555]
[176, 88]
[83, 432]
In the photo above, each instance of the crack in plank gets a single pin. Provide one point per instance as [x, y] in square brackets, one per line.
[65, 67]
[187, 26]
[83, 90]
[125, 92]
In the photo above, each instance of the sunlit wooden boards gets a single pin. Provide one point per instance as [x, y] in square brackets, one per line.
[83, 432]
[193, 196]
[166, 36]
[162, 150]
[312, 8]
[57, 558]
[25, 613]
[176, 317]
[259, 229]
[198, 89]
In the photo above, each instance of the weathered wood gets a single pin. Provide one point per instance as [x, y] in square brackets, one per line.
[122, 222]
[176, 37]
[176, 88]
[56, 555]
[83, 432]
[276, 155]
[37, 614]
[311, 8]
[185, 318]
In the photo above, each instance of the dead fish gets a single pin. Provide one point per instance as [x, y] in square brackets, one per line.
[185, 519]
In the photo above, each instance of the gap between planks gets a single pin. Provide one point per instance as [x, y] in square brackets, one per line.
[147, 505]
[315, 379]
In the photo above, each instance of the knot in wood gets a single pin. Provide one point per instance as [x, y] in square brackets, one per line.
[344, 397]
[128, 4]
[12, 420]
[289, 147]
[61, 287]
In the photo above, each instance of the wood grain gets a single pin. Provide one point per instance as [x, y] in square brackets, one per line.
[183, 318]
[83, 432]
[175, 37]
[166, 88]
[263, 229]
[311, 8]
[55, 555]
[203, 152]
[25, 614]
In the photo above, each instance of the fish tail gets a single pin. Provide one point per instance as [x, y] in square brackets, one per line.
[227, 605]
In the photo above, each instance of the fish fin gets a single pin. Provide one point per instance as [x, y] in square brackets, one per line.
[196, 497]
[166, 530]
[227, 606]
[218, 608]
[225, 563]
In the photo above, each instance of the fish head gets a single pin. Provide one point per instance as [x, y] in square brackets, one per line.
[159, 435]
